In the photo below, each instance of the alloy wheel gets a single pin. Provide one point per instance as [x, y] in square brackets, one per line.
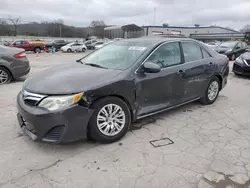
[4, 77]
[111, 119]
[213, 90]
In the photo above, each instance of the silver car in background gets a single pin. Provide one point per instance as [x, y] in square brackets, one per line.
[13, 64]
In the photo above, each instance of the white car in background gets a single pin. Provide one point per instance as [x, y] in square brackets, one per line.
[74, 47]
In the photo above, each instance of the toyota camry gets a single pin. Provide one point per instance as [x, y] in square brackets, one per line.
[104, 92]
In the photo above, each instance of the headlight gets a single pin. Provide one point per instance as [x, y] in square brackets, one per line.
[57, 102]
[228, 51]
[240, 60]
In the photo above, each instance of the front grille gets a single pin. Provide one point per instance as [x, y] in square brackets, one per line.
[31, 98]
[54, 134]
[237, 68]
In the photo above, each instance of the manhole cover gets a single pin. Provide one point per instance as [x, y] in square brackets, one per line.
[161, 142]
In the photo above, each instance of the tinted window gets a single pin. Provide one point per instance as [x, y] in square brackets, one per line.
[192, 52]
[24, 42]
[17, 42]
[167, 55]
[238, 45]
[205, 54]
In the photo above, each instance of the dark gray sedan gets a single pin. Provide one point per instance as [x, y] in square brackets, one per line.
[13, 64]
[102, 94]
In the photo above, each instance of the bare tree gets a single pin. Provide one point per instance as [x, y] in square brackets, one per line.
[15, 22]
[98, 28]
[4, 27]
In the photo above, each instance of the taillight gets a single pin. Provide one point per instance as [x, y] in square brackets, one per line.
[20, 55]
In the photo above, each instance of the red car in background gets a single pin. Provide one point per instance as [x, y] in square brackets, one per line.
[35, 46]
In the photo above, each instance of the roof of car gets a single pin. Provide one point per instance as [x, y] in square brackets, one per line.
[158, 39]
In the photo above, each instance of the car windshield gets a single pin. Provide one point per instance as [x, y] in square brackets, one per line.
[119, 55]
[227, 44]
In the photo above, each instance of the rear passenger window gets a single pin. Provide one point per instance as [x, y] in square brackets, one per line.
[192, 52]
[205, 54]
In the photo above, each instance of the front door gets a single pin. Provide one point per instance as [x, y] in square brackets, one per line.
[156, 91]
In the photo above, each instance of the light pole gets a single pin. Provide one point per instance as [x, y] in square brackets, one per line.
[154, 17]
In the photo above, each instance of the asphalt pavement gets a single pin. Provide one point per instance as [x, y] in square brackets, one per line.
[197, 146]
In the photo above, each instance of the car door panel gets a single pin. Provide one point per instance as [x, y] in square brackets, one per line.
[198, 70]
[156, 91]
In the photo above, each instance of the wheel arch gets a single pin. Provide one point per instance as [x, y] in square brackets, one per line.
[220, 79]
[7, 70]
[120, 97]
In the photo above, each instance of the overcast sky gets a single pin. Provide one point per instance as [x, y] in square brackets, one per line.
[231, 13]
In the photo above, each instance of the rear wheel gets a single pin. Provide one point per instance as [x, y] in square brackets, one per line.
[211, 92]
[83, 49]
[5, 76]
[110, 120]
[37, 50]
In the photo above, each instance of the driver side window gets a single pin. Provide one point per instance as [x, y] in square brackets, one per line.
[238, 45]
[167, 55]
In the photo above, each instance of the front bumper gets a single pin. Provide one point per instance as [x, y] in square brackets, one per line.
[241, 69]
[54, 127]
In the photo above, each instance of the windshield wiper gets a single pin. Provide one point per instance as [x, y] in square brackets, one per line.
[96, 65]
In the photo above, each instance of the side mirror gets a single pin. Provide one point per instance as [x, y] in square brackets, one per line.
[150, 67]
[237, 47]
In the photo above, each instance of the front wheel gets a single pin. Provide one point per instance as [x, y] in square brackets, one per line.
[211, 92]
[69, 50]
[110, 120]
[83, 49]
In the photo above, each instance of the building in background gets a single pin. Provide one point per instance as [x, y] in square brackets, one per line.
[125, 31]
[197, 32]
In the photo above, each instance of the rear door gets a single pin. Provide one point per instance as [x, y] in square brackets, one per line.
[197, 69]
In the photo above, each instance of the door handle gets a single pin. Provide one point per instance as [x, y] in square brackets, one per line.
[180, 72]
[210, 64]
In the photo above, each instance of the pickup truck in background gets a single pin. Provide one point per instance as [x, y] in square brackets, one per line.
[28, 46]
[57, 44]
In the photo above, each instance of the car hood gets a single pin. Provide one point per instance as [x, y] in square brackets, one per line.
[68, 79]
[218, 49]
[246, 56]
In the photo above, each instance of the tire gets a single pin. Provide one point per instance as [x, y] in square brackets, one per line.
[5, 76]
[37, 49]
[233, 57]
[69, 50]
[83, 49]
[109, 136]
[206, 99]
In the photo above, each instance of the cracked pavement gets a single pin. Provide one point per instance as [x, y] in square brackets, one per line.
[211, 146]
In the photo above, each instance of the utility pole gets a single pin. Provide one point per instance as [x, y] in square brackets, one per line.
[60, 30]
[154, 17]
